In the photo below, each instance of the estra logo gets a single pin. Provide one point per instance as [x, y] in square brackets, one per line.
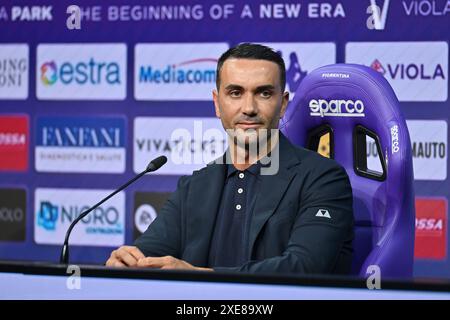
[176, 71]
[81, 71]
[14, 142]
[431, 228]
[417, 71]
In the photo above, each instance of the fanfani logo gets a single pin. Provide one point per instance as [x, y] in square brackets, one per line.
[336, 108]
[181, 73]
[410, 71]
[48, 73]
[80, 145]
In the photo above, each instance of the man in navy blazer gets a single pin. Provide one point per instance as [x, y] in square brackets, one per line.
[239, 213]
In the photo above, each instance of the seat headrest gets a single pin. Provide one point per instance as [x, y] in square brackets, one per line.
[344, 95]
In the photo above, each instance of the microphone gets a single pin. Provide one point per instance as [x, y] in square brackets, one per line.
[154, 165]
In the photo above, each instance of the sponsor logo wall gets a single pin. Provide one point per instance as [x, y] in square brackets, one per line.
[82, 111]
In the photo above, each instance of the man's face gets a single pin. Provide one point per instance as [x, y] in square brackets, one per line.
[250, 95]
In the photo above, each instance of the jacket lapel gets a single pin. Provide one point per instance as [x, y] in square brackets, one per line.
[272, 189]
[203, 203]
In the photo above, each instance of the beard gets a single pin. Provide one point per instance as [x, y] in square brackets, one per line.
[250, 143]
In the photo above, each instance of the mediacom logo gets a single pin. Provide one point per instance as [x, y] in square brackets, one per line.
[13, 214]
[81, 145]
[14, 70]
[55, 209]
[81, 71]
[431, 228]
[14, 142]
[177, 71]
[188, 143]
[417, 71]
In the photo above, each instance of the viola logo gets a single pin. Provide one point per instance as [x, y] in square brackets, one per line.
[409, 71]
[417, 71]
[48, 73]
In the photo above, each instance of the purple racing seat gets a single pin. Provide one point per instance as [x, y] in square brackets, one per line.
[351, 103]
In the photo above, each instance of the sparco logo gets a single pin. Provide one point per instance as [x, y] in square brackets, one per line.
[336, 108]
[394, 136]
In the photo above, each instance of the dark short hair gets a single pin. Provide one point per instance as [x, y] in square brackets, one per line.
[256, 52]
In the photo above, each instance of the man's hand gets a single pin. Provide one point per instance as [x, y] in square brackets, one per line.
[168, 262]
[128, 256]
[125, 256]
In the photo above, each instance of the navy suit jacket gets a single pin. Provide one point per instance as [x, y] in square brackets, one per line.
[302, 220]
